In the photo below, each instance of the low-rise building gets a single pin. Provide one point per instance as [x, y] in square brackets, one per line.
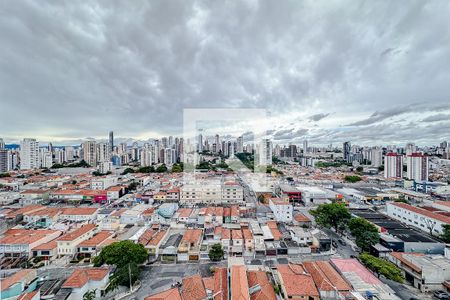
[83, 280]
[67, 244]
[425, 272]
[282, 210]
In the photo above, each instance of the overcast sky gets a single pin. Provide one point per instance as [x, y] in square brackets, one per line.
[375, 72]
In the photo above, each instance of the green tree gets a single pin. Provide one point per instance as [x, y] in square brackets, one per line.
[334, 215]
[123, 275]
[148, 169]
[127, 170]
[177, 168]
[381, 168]
[352, 178]
[133, 186]
[121, 253]
[161, 169]
[216, 252]
[5, 175]
[365, 233]
[382, 267]
[359, 169]
[89, 295]
[445, 236]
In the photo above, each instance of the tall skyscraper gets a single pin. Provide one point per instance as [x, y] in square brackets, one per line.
[393, 165]
[265, 152]
[90, 152]
[410, 148]
[2, 144]
[29, 154]
[217, 142]
[45, 158]
[103, 152]
[417, 166]
[347, 150]
[200, 143]
[111, 141]
[305, 146]
[69, 153]
[376, 157]
[3, 161]
[240, 144]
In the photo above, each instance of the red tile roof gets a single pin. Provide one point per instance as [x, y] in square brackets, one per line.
[296, 281]
[77, 233]
[193, 288]
[192, 235]
[326, 277]
[221, 284]
[6, 283]
[239, 284]
[260, 277]
[172, 294]
[97, 239]
[80, 277]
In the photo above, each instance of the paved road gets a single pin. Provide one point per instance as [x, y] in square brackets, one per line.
[405, 291]
[342, 251]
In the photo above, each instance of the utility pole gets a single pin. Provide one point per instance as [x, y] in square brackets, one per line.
[129, 274]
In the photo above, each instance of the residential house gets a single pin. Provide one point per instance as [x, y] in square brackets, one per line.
[67, 244]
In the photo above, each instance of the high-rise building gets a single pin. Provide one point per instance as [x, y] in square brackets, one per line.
[376, 157]
[13, 160]
[29, 154]
[69, 153]
[410, 148]
[217, 142]
[305, 146]
[90, 152]
[45, 159]
[111, 141]
[240, 144]
[393, 165]
[3, 161]
[347, 150]
[103, 152]
[265, 152]
[417, 166]
[200, 143]
[146, 157]
[2, 144]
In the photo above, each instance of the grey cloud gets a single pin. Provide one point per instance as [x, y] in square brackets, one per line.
[318, 117]
[436, 118]
[70, 69]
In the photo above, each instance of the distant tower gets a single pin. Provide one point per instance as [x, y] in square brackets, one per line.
[2, 144]
[29, 154]
[347, 148]
[111, 140]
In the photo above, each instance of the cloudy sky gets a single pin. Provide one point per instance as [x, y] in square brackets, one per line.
[375, 72]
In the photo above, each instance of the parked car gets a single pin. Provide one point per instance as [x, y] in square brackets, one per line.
[441, 295]
[335, 245]
[342, 242]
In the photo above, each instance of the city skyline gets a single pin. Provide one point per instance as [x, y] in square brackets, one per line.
[370, 73]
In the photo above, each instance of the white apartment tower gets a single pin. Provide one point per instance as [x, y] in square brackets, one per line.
[265, 152]
[240, 144]
[393, 165]
[90, 152]
[376, 157]
[417, 166]
[29, 154]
